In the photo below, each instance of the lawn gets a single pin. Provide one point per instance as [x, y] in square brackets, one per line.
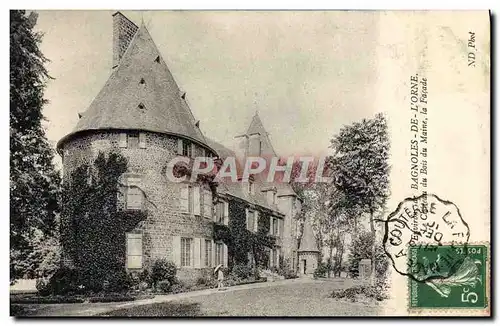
[165, 309]
[293, 299]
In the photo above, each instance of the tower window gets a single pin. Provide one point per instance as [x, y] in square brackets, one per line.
[187, 148]
[133, 139]
[157, 60]
[142, 81]
[141, 106]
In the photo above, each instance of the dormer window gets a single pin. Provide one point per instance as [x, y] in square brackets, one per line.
[142, 81]
[271, 197]
[251, 187]
[157, 60]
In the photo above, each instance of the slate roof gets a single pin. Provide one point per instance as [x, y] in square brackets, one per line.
[140, 94]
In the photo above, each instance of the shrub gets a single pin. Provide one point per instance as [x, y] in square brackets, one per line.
[232, 280]
[64, 281]
[134, 280]
[321, 270]
[289, 274]
[178, 287]
[118, 281]
[163, 270]
[145, 277]
[242, 271]
[378, 293]
[164, 286]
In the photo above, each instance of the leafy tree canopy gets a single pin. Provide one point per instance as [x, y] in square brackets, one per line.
[360, 166]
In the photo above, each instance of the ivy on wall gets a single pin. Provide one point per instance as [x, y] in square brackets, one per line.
[241, 241]
[92, 228]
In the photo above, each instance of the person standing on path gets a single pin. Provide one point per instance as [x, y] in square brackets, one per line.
[220, 277]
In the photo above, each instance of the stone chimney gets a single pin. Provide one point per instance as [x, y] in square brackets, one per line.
[123, 32]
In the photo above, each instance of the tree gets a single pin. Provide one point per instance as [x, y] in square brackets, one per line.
[34, 182]
[360, 169]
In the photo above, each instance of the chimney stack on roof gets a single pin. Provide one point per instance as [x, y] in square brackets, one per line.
[123, 32]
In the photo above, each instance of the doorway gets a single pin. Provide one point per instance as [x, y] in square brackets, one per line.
[304, 266]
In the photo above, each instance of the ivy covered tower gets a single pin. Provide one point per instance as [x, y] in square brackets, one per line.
[141, 113]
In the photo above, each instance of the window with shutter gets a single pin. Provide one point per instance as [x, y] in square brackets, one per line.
[197, 253]
[184, 197]
[219, 253]
[134, 197]
[187, 148]
[134, 250]
[250, 221]
[186, 253]
[179, 146]
[142, 140]
[208, 253]
[207, 204]
[219, 212]
[122, 142]
[225, 255]
[256, 221]
[196, 200]
[275, 226]
[133, 139]
[226, 213]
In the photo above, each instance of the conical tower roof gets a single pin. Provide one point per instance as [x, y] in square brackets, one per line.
[308, 242]
[140, 94]
[256, 126]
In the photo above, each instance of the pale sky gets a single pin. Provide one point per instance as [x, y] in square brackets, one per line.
[307, 73]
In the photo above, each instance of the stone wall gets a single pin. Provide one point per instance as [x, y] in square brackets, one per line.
[311, 259]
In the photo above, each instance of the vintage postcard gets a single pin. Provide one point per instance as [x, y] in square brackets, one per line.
[250, 163]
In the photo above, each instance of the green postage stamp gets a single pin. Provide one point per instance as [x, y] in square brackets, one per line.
[448, 276]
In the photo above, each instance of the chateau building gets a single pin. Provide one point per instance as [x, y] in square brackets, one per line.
[142, 113]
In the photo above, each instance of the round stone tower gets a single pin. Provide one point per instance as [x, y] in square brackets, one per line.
[308, 250]
[142, 114]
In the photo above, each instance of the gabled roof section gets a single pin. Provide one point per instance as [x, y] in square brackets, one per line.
[141, 94]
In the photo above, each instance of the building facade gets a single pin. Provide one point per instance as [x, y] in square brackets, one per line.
[142, 114]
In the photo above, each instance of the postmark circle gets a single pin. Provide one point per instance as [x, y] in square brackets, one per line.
[424, 223]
